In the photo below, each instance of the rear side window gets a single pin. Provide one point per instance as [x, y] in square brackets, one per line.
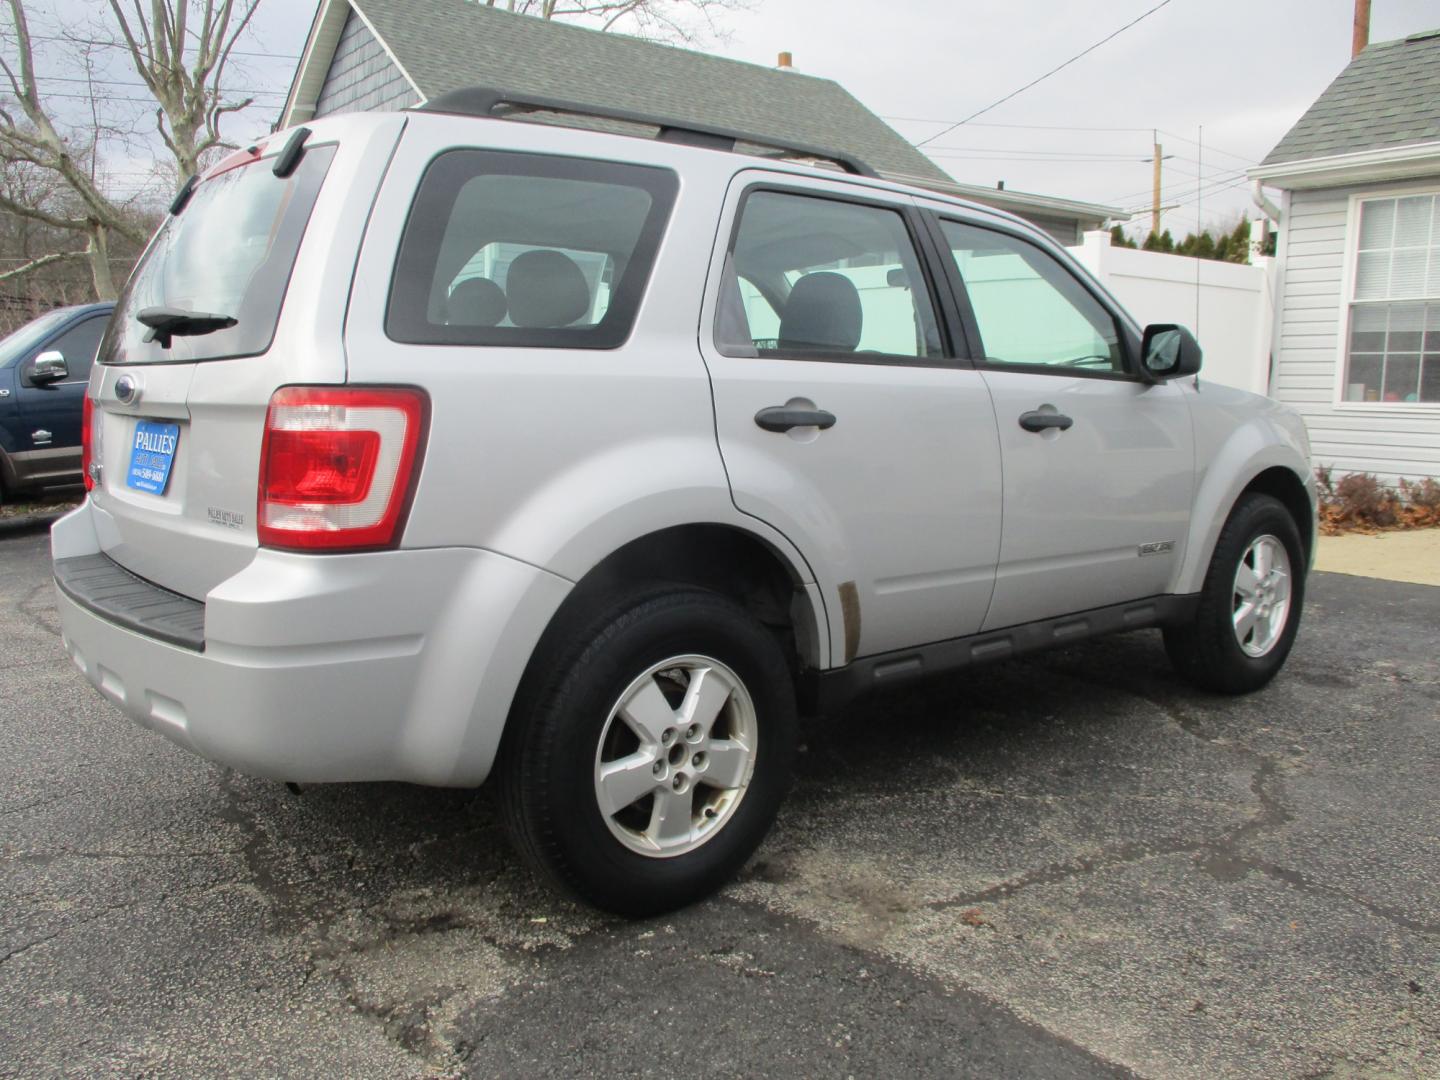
[817, 278]
[527, 250]
[228, 252]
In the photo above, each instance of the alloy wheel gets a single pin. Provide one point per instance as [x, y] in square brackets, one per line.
[676, 756]
[1261, 596]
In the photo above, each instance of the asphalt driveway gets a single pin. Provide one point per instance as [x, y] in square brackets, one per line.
[1073, 866]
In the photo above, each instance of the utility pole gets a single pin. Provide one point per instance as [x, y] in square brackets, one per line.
[1155, 208]
[1361, 36]
[1155, 202]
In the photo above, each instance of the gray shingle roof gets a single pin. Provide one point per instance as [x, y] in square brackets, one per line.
[1389, 95]
[448, 44]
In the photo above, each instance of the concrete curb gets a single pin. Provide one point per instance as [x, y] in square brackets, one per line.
[1411, 555]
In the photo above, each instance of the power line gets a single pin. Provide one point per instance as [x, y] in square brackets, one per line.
[142, 86]
[1215, 180]
[122, 45]
[1192, 193]
[1208, 194]
[1032, 160]
[1187, 202]
[1221, 177]
[1052, 71]
[1216, 149]
[1019, 150]
[1062, 127]
[992, 124]
[78, 254]
[1173, 171]
[1172, 200]
[117, 97]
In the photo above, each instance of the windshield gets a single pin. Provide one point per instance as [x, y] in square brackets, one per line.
[228, 252]
[21, 341]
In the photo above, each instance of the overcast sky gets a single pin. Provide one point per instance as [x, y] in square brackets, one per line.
[1243, 70]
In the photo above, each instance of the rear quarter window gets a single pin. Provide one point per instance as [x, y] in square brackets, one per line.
[527, 250]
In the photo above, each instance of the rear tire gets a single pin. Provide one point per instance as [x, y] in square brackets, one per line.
[649, 749]
[1249, 611]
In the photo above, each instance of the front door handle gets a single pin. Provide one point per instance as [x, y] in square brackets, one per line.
[783, 418]
[1036, 420]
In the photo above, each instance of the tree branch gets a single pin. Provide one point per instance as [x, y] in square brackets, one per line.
[42, 262]
[34, 213]
[138, 57]
[212, 137]
[658, 19]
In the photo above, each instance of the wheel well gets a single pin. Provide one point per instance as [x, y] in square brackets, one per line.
[1281, 483]
[724, 559]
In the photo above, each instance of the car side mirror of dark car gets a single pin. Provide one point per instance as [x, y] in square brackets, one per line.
[1169, 352]
[48, 367]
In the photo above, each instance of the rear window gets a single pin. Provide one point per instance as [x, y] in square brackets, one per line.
[230, 252]
[527, 250]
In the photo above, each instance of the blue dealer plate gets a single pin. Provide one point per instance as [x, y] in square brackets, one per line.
[151, 453]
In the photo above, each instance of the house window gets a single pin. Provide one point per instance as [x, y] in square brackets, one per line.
[1394, 346]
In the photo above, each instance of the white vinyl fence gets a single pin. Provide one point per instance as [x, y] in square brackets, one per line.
[1230, 308]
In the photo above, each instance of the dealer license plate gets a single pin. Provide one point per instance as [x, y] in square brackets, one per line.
[152, 451]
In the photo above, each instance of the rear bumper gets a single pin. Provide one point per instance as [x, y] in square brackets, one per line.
[395, 665]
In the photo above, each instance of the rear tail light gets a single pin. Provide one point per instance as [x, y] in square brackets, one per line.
[87, 443]
[338, 466]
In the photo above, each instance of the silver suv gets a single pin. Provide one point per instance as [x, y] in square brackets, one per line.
[433, 445]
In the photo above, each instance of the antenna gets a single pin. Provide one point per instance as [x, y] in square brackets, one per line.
[1199, 204]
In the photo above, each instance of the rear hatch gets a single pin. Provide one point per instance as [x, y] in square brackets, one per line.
[242, 290]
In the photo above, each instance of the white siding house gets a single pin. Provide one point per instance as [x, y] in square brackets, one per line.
[1357, 329]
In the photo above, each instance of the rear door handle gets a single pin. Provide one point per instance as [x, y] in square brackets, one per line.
[1036, 420]
[783, 418]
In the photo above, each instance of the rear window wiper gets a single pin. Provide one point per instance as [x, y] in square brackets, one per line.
[166, 323]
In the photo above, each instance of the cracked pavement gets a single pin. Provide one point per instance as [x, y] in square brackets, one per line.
[1070, 866]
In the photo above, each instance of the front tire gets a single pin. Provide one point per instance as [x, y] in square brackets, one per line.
[649, 749]
[1249, 611]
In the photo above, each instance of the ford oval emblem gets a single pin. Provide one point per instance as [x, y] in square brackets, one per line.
[125, 389]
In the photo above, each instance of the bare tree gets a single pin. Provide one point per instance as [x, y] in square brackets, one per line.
[676, 20]
[190, 95]
[180, 49]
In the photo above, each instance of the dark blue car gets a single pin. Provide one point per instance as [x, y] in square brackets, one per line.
[44, 367]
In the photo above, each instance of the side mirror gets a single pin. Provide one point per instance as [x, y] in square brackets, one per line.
[1169, 352]
[48, 367]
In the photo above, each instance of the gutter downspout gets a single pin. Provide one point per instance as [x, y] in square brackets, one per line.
[1268, 208]
[1272, 286]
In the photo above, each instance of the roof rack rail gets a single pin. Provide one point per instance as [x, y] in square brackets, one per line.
[483, 101]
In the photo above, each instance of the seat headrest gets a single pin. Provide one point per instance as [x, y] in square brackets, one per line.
[476, 301]
[823, 312]
[546, 289]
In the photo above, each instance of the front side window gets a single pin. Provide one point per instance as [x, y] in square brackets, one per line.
[78, 345]
[527, 250]
[23, 341]
[818, 278]
[1029, 309]
[1393, 351]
